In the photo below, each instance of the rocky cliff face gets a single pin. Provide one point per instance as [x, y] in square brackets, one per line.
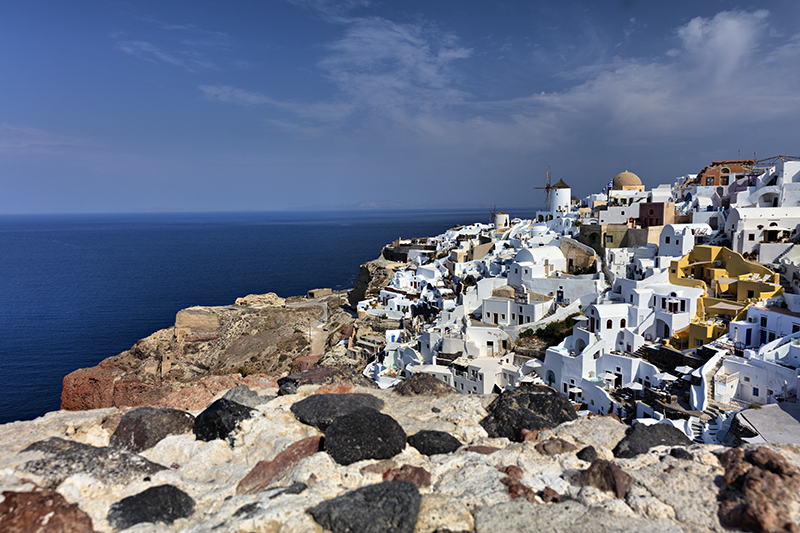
[248, 459]
[372, 276]
[263, 334]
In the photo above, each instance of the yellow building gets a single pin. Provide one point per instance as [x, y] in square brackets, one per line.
[730, 282]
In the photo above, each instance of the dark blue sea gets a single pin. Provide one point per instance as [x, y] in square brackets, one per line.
[75, 289]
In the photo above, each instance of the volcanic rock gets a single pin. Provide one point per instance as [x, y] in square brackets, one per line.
[555, 447]
[422, 384]
[242, 394]
[319, 410]
[220, 419]
[388, 507]
[640, 438]
[415, 474]
[163, 504]
[67, 457]
[364, 434]
[606, 476]
[41, 511]
[587, 454]
[528, 407]
[265, 472]
[143, 428]
[431, 442]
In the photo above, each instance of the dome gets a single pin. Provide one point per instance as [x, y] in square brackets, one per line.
[524, 256]
[625, 179]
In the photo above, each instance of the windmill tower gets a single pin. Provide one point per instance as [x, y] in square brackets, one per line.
[548, 189]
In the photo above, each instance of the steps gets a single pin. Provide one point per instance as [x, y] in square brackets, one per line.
[697, 430]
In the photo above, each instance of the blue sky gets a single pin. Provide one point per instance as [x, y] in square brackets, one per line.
[268, 105]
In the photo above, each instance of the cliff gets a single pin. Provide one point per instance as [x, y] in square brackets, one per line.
[372, 276]
[417, 458]
[259, 334]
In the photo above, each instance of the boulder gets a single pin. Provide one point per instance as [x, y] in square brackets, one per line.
[640, 438]
[143, 428]
[415, 474]
[555, 446]
[41, 511]
[364, 434]
[162, 504]
[88, 388]
[242, 394]
[421, 384]
[607, 476]
[528, 407]
[588, 454]
[65, 458]
[220, 419]
[388, 507]
[319, 410]
[325, 375]
[430, 442]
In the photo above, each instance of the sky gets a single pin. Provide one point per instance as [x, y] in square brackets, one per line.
[283, 104]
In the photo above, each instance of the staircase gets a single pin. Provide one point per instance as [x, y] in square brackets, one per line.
[711, 383]
[697, 430]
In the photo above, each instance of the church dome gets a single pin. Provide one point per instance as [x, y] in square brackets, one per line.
[625, 179]
[524, 256]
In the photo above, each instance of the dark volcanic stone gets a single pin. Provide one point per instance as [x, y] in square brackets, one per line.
[163, 503]
[243, 395]
[325, 375]
[41, 511]
[587, 454]
[388, 507]
[433, 442]
[105, 464]
[364, 434]
[423, 384]
[606, 476]
[641, 438]
[320, 410]
[287, 388]
[143, 428]
[680, 453]
[528, 407]
[220, 419]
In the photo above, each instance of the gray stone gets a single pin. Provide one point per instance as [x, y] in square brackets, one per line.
[163, 504]
[521, 516]
[319, 410]
[434, 442]
[528, 407]
[422, 384]
[105, 464]
[587, 454]
[243, 395]
[364, 434]
[143, 428]
[388, 507]
[640, 438]
[220, 419]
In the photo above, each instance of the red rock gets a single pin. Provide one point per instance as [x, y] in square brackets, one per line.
[335, 388]
[415, 474]
[265, 472]
[518, 490]
[485, 450]
[88, 388]
[512, 471]
[555, 447]
[301, 364]
[607, 476]
[528, 435]
[550, 495]
[135, 392]
[41, 511]
[759, 491]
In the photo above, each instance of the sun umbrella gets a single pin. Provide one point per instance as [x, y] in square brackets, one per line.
[634, 386]
[684, 369]
[664, 376]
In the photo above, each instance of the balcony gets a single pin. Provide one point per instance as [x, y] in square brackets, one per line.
[724, 379]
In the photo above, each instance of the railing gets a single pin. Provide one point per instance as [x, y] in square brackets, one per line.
[724, 379]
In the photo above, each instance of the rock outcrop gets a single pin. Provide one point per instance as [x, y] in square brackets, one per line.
[276, 473]
[372, 276]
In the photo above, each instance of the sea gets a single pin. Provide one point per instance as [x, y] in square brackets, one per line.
[76, 289]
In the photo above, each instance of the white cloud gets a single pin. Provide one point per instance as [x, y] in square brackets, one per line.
[18, 140]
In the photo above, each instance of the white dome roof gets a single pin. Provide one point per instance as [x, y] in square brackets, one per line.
[524, 256]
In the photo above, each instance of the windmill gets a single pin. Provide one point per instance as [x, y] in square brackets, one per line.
[492, 213]
[547, 189]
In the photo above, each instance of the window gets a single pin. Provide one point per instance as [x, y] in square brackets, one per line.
[763, 321]
[622, 323]
[609, 238]
[502, 316]
[631, 298]
[651, 212]
[771, 336]
[795, 328]
[513, 316]
[520, 308]
[751, 237]
[698, 342]
[608, 324]
[750, 294]
[663, 303]
[710, 180]
[683, 306]
[516, 271]
[755, 391]
[746, 378]
[677, 241]
[666, 240]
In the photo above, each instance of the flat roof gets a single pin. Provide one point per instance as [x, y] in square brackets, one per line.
[777, 423]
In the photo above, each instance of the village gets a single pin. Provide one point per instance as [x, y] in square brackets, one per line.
[683, 302]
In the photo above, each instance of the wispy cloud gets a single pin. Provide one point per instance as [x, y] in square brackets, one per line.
[32, 141]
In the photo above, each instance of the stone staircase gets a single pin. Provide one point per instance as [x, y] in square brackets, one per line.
[697, 430]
